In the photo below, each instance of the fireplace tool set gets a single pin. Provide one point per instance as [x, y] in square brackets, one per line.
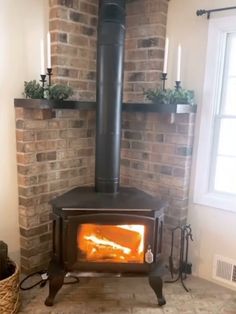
[184, 266]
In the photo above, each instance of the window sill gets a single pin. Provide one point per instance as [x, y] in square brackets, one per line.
[221, 201]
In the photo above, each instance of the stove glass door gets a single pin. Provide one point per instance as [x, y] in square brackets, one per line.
[123, 243]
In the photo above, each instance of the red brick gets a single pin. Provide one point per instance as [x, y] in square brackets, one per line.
[88, 8]
[58, 12]
[28, 158]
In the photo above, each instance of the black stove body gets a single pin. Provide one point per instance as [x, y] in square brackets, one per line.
[112, 234]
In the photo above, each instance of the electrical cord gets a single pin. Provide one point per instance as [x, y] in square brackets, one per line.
[42, 282]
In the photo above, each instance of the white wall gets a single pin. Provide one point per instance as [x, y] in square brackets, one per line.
[22, 24]
[214, 229]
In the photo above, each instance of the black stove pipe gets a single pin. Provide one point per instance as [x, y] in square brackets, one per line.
[110, 59]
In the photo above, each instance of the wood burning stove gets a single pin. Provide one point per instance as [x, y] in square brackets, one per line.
[106, 229]
[106, 233]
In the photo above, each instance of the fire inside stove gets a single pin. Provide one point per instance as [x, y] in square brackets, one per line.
[111, 243]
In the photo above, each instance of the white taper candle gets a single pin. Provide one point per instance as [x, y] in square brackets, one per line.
[42, 61]
[166, 55]
[49, 50]
[179, 62]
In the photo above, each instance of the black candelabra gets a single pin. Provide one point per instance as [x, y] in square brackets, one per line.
[163, 78]
[177, 85]
[44, 80]
[49, 74]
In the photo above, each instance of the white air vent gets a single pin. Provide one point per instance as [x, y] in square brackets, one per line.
[224, 269]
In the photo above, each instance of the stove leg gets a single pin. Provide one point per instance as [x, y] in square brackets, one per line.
[56, 275]
[157, 284]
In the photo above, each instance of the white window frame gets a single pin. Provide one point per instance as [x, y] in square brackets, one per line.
[218, 29]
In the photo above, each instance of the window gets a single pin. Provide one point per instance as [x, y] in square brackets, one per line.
[215, 183]
[223, 173]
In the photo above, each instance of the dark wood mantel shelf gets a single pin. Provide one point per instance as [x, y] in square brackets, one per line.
[89, 105]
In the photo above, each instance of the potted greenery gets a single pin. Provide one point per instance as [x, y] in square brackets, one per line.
[170, 96]
[9, 282]
[34, 90]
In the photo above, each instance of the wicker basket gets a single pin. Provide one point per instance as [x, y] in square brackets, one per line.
[9, 292]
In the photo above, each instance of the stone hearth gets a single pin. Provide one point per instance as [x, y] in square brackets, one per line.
[132, 295]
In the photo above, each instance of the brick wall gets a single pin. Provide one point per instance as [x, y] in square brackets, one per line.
[55, 152]
[144, 49]
[73, 26]
[156, 157]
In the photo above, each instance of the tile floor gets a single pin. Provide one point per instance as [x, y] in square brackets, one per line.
[133, 296]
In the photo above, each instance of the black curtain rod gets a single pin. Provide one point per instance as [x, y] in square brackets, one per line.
[208, 12]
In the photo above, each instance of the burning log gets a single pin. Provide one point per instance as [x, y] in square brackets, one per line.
[123, 237]
[106, 252]
[111, 243]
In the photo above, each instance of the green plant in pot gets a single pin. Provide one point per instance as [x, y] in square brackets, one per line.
[170, 96]
[59, 92]
[34, 90]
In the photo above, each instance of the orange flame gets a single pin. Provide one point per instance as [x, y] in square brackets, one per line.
[109, 243]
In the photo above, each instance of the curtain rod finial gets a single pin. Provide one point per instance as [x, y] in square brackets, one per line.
[201, 12]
